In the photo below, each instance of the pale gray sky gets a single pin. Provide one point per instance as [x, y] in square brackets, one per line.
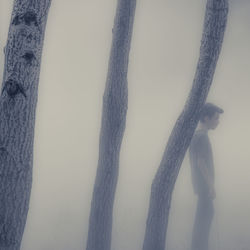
[163, 59]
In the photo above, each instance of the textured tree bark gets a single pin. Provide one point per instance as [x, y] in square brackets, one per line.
[113, 125]
[17, 116]
[163, 183]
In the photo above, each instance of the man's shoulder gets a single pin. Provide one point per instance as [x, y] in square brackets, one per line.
[199, 135]
[199, 139]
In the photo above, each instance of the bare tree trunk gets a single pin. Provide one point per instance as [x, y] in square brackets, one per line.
[17, 116]
[163, 183]
[113, 125]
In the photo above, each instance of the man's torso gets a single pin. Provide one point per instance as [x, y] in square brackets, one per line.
[200, 147]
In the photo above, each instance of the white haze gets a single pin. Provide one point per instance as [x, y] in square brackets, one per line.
[163, 59]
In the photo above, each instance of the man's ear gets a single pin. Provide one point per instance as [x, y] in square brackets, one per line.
[206, 118]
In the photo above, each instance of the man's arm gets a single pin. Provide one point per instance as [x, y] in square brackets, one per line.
[207, 177]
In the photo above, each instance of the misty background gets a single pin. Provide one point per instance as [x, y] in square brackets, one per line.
[163, 58]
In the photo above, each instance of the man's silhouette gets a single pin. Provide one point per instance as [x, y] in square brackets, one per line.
[202, 169]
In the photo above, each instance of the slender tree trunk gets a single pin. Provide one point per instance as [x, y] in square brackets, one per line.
[163, 183]
[112, 129]
[17, 116]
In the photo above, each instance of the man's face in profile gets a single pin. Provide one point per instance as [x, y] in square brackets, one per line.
[212, 122]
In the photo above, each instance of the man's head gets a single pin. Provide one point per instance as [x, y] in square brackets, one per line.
[209, 116]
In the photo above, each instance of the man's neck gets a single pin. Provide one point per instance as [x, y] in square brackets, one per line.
[203, 127]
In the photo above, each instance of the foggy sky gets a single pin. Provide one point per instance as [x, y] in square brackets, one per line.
[163, 57]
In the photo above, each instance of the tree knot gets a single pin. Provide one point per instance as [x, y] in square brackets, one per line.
[12, 87]
[28, 18]
[29, 57]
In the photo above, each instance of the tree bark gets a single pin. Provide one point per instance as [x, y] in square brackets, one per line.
[17, 116]
[164, 181]
[113, 125]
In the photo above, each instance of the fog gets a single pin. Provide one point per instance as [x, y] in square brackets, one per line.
[163, 58]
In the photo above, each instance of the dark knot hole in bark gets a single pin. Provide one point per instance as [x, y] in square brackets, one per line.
[29, 57]
[12, 87]
[28, 18]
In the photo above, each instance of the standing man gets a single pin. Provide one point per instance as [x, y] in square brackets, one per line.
[202, 169]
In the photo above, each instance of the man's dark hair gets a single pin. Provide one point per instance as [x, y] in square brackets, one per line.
[209, 110]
